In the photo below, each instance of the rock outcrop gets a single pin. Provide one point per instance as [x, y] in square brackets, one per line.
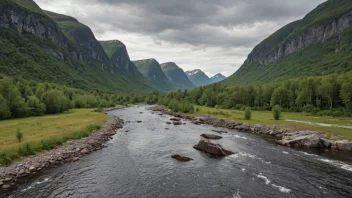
[211, 136]
[181, 158]
[303, 139]
[35, 22]
[211, 149]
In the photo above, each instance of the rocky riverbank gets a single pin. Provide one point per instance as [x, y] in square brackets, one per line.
[22, 171]
[299, 139]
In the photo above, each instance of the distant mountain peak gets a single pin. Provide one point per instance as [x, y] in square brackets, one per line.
[193, 72]
[218, 75]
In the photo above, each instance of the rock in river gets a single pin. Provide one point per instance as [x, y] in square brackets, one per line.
[211, 136]
[306, 139]
[177, 123]
[175, 119]
[211, 149]
[181, 158]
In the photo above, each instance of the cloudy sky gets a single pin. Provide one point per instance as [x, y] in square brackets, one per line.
[211, 35]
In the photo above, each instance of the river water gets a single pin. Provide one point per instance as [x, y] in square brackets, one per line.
[137, 163]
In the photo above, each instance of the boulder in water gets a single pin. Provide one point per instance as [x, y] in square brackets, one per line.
[175, 119]
[168, 123]
[177, 123]
[211, 136]
[211, 149]
[306, 139]
[181, 158]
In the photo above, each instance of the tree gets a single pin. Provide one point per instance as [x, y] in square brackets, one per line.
[247, 113]
[36, 107]
[326, 91]
[4, 109]
[277, 112]
[279, 97]
[346, 94]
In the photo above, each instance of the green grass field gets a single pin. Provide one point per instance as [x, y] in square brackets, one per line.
[266, 117]
[73, 124]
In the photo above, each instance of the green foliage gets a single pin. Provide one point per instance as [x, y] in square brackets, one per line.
[19, 135]
[277, 112]
[5, 158]
[26, 149]
[248, 113]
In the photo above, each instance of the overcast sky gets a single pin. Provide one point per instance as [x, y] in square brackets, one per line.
[211, 35]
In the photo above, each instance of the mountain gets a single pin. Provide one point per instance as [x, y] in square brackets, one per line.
[177, 76]
[318, 44]
[151, 70]
[49, 47]
[217, 78]
[198, 77]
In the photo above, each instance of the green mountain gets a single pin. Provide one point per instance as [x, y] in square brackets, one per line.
[48, 47]
[318, 44]
[151, 70]
[177, 76]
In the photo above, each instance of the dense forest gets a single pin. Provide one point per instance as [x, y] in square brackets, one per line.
[323, 95]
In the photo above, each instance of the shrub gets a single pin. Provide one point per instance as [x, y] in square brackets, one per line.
[98, 109]
[197, 109]
[248, 113]
[26, 150]
[277, 112]
[5, 158]
[308, 108]
[19, 135]
[51, 143]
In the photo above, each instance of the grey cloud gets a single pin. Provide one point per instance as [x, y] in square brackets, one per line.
[183, 21]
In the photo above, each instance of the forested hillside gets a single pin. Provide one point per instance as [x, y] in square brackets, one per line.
[319, 44]
[48, 47]
[151, 70]
[177, 76]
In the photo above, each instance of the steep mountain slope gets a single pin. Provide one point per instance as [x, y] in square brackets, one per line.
[198, 77]
[177, 76]
[319, 44]
[217, 78]
[151, 70]
[33, 46]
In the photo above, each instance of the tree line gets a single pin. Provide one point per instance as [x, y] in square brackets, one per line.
[321, 95]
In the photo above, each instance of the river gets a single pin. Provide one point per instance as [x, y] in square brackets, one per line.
[137, 163]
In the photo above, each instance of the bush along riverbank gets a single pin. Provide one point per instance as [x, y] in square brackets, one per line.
[22, 171]
[298, 139]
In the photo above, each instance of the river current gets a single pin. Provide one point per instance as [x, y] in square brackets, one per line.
[137, 163]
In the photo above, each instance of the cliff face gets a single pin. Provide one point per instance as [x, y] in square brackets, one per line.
[318, 44]
[38, 24]
[315, 34]
[83, 44]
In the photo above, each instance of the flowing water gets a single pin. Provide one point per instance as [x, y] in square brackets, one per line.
[137, 163]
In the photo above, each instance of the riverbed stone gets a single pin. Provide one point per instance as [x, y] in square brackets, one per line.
[211, 136]
[175, 119]
[177, 123]
[305, 139]
[181, 158]
[6, 186]
[211, 149]
[168, 123]
[7, 179]
[32, 168]
[1, 183]
[342, 145]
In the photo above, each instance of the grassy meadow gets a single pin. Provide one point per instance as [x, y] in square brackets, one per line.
[45, 132]
[266, 117]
